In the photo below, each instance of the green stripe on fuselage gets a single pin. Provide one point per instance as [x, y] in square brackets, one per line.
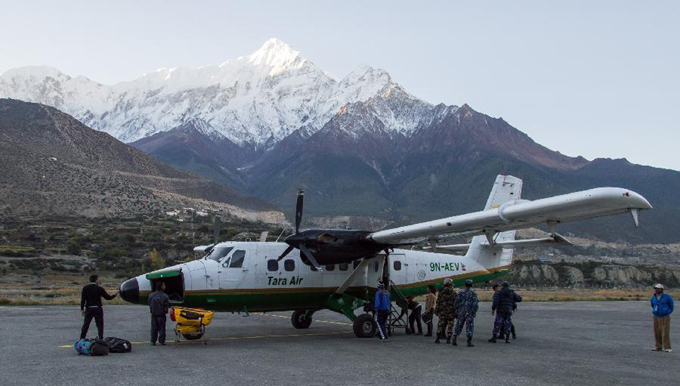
[258, 300]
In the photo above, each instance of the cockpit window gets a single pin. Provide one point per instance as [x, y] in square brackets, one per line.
[237, 259]
[218, 253]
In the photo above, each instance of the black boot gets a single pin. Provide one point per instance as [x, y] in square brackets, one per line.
[438, 337]
[448, 339]
[455, 340]
[469, 342]
[493, 339]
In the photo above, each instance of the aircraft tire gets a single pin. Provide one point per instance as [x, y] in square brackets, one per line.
[364, 326]
[300, 321]
[193, 336]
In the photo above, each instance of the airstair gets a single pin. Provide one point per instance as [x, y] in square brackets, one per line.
[398, 317]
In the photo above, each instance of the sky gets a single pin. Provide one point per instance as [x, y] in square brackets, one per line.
[597, 79]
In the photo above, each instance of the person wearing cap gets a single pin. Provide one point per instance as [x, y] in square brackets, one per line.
[445, 309]
[467, 305]
[662, 308]
[504, 302]
[382, 308]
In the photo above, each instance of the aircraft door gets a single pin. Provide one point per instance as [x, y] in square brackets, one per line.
[199, 275]
[398, 267]
[233, 269]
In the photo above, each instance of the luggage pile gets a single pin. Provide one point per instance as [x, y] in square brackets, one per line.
[100, 347]
[191, 322]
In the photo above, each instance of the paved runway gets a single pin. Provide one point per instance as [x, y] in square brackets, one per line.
[592, 343]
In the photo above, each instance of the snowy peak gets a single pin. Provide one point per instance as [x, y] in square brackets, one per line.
[278, 55]
[254, 100]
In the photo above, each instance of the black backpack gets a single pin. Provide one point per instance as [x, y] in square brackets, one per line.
[118, 345]
[99, 347]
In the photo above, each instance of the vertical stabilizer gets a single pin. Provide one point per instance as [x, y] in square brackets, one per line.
[505, 188]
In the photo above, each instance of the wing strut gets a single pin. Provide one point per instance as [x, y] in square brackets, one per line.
[350, 279]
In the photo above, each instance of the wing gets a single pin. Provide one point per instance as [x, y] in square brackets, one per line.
[505, 210]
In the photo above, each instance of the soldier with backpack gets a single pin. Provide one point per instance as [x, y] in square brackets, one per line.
[159, 303]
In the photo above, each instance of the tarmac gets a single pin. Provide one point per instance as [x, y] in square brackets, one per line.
[571, 343]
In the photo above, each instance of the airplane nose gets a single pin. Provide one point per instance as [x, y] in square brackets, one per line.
[129, 291]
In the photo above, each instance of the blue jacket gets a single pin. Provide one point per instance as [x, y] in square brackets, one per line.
[382, 300]
[662, 307]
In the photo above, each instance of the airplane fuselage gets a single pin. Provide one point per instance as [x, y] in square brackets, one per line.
[249, 278]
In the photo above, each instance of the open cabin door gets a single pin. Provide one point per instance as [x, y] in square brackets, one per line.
[174, 283]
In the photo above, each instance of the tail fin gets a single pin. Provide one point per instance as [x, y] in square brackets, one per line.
[505, 188]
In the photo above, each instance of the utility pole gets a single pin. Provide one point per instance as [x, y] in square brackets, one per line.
[216, 229]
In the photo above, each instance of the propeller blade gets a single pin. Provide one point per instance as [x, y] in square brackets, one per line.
[310, 257]
[298, 210]
[286, 252]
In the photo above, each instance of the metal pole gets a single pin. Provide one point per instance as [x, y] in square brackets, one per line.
[217, 229]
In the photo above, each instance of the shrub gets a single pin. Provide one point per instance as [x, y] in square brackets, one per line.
[73, 248]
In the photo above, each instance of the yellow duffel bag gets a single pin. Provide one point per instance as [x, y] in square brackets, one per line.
[191, 316]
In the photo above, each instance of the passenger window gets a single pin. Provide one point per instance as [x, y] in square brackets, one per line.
[330, 267]
[272, 265]
[237, 259]
[344, 267]
[397, 265]
[218, 254]
[289, 265]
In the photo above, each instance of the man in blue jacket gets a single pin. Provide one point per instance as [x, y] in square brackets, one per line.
[662, 308]
[382, 309]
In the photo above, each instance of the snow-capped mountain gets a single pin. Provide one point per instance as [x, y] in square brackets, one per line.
[257, 99]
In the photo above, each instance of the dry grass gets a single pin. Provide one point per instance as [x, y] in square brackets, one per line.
[576, 295]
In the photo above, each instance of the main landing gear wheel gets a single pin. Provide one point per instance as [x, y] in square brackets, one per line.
[364, 326]
[301, 320]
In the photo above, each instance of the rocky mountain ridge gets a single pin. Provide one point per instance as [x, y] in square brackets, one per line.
[53, 165]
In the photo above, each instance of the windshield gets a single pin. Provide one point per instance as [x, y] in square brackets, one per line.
[218, 253]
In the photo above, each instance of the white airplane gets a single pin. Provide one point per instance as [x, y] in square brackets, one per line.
[339, 270]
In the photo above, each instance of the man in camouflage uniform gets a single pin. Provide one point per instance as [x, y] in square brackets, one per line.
[466, 306]
[445, 310]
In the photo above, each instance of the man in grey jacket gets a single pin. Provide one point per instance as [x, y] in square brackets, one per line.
[159, 303]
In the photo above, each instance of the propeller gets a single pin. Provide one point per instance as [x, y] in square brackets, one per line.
[298, 240]
[298, 210]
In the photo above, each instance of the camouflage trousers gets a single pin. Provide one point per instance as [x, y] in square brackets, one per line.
[469, 322]
[445, 323]
[503, 321]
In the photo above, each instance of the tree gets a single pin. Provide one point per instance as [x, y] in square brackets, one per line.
[157, 261]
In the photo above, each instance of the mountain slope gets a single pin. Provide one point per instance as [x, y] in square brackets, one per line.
[55, 165]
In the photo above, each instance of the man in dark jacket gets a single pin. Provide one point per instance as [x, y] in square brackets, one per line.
[445, 310]
[159, 303]
[382, 308]
[504, 302]
[662, 308]
[91, 306]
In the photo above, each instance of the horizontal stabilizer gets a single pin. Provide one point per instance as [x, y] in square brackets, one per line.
[557, 240]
